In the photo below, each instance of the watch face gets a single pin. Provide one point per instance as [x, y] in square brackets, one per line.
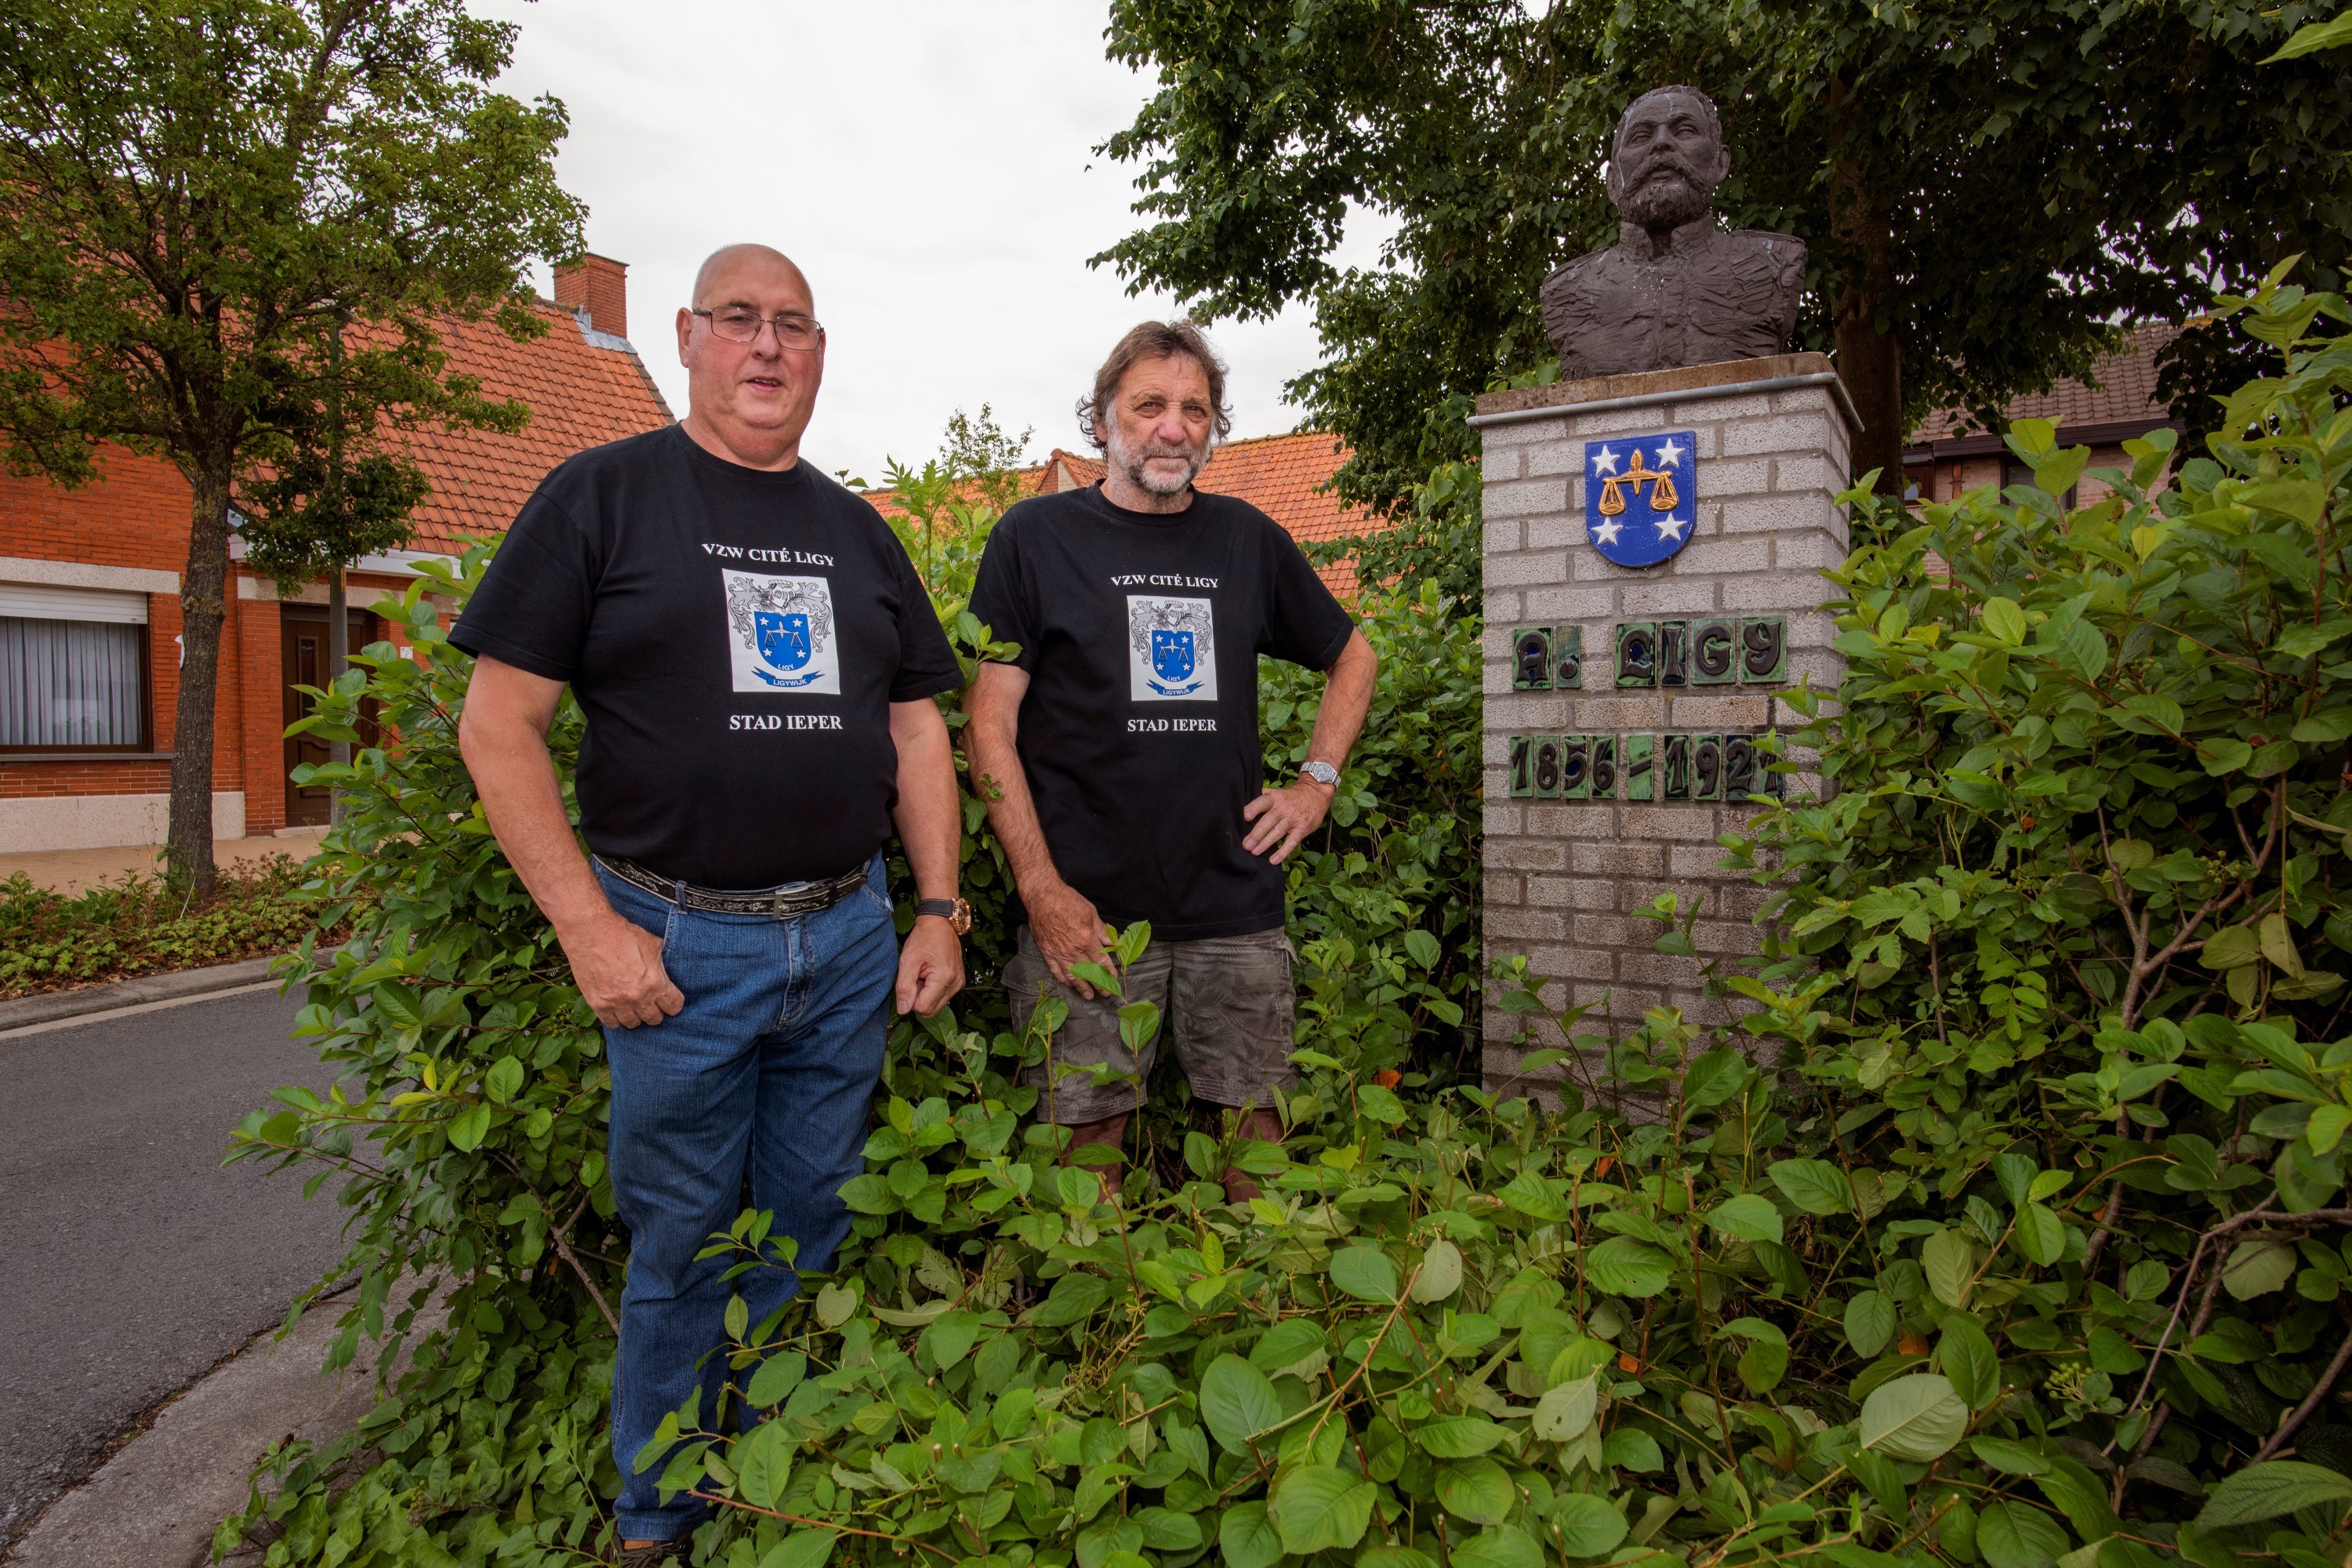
[1321, 773]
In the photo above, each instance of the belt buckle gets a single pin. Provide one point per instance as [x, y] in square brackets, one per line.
[776, 906]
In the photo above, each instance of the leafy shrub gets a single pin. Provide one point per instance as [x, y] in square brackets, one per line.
[470, 1139]
[2021, 1248]
[145, 924]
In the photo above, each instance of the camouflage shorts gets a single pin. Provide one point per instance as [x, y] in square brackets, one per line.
[1224, 1001]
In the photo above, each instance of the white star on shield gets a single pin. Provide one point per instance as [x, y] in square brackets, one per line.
[1670, 455]
[1606, 463]
[1671, 527]
[1607, 533]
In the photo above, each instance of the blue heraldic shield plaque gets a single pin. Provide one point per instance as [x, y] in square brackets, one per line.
[1641, 496]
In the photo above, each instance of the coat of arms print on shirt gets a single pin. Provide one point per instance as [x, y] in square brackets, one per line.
[1172, 649]
[781, 633]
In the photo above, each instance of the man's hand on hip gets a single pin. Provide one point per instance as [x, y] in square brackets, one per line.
[1284, 817]
[618, 968]
[1068, 930]
[931, 966]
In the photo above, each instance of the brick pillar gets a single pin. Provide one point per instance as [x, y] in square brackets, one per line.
[1564, 876]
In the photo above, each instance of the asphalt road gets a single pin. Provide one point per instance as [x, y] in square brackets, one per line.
[130, 1262]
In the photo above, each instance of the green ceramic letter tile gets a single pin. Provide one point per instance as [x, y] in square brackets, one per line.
[1641, 767]
[1637, 653]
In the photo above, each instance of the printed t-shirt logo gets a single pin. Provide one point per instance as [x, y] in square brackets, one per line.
[1172, 649]
[781, 633]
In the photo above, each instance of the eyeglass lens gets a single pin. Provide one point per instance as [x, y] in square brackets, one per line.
[739, 323]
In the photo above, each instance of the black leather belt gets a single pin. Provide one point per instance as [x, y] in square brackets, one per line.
[790, 901]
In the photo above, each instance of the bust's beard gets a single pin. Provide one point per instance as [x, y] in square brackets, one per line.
[1668, 201]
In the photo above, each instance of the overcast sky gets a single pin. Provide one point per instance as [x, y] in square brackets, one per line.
[928, 163]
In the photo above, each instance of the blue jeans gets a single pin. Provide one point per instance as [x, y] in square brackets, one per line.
[765, 1076]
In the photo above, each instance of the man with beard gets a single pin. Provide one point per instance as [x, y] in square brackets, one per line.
[1119, 747]
[1674, 289]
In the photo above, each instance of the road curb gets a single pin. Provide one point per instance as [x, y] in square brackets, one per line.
[52, 1005]
[157, 1500]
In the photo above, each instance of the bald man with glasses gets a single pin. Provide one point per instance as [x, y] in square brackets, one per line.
[757, 660]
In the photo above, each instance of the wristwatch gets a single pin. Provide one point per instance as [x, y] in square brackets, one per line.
[955, 911]
[1323, 774]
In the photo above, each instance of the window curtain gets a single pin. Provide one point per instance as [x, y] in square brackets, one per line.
[69, 683]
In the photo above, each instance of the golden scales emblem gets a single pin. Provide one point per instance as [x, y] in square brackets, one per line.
[1662, 495]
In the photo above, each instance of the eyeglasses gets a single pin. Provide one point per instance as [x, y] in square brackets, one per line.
[742, 324]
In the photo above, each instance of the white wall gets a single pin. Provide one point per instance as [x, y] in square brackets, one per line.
[103, 821]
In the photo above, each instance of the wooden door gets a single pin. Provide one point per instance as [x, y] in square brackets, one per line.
[302, 641]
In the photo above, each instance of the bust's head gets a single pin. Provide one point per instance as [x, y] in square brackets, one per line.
[1668, 158]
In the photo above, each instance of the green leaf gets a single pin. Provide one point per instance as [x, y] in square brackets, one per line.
[1285, 1344]
[2039, 1235]
[1247, 1537]
[1815, 1186]
[2314, 37]
[1479, 1490]
[2004, 620]
[1533, 1196]
[1237, 1402]
[1072, 1298]
[1631, 1448]
[1165, 1529]
[951, 1336]
[1915, 1418]
[1440, 1272]
[1502, 1546]
[1714, 1078]
[2273, 1488]
[2019, 1535]
[762, 1458]
[1564, 1412]
[1762, 1364]
[1869, 1323]
[1423, 948]
[802, 1549]
[834, 1303]
[1365, 1273]
[472, 1125]
[2257, 1267]
[1966, 1355]
[1458, 1436]
[2009, 1457]
[1319, 1507]
[1950, 1263]
[1588, 1525]
[2223, 755]
[1747, 1217]
[1623, 1265]
[503, 1079]
[777, 1377]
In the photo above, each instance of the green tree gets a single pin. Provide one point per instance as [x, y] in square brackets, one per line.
[1987, 185]
[229, 230]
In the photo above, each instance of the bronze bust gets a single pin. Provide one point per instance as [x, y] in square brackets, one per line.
[1675, 289]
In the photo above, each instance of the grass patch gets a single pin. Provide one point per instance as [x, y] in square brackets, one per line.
[146, 923]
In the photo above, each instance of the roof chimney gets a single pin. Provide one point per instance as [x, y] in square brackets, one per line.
[600, 286]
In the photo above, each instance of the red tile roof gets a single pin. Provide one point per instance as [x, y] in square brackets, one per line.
[1279, 474]
[2125, 393]
[582, 391]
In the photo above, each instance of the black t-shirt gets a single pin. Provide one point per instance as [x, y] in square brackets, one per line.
[735, 638]
[1138, 732]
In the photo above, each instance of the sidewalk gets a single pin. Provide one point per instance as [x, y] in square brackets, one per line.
[155, 1502]
[75, 870]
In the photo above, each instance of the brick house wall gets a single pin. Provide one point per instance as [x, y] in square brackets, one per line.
[126, 534]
